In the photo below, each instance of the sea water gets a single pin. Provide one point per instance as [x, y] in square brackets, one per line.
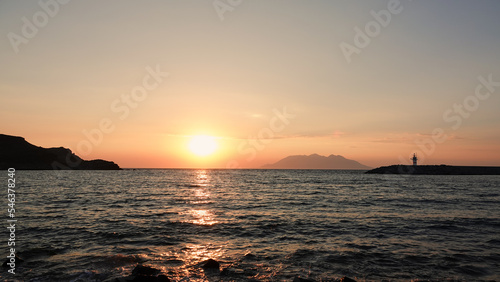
[265, 225]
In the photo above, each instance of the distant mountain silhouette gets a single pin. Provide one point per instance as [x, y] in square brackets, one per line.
[316, 161]
[17, 153]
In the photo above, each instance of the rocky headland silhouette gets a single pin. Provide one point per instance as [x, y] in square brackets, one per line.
[17, 153]
[436, 170]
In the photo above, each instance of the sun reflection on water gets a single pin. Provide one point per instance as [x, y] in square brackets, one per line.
[196, 254]
[202, 217]
[183, 261]
[201, 195]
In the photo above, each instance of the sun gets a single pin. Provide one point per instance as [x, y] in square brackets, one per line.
[202, 145]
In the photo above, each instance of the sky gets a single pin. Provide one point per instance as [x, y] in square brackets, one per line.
[135, 81]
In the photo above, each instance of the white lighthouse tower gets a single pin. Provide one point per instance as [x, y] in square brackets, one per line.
[414, 159]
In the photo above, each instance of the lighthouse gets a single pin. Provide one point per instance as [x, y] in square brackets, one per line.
[414, 159]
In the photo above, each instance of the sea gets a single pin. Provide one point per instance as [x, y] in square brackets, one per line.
[260, 225]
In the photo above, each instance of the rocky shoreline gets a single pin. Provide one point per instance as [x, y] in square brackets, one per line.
[211, 268]
[436, 170]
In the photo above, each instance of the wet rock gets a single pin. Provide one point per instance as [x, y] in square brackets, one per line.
[142, 273]
[211, 264]
[250, 256]
[347, 279]
[300, 279]
[145, 270]
[163, 278]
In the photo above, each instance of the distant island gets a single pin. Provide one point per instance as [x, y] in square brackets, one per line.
[316, 161]
[17, 153]
[436, 170]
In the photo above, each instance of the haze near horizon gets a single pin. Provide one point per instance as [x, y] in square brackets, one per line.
[216, 84]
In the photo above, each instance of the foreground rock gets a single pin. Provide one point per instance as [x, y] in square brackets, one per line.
[211, 265]
[145, 270]
[17, 153]
[143, 273]
[437, 170]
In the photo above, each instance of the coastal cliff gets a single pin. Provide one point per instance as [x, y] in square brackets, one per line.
[17, 153]
[436, 170]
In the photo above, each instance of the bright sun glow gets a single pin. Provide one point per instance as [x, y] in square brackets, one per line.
[202, 145]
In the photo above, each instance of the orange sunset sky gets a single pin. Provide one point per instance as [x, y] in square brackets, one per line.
[135, 81]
